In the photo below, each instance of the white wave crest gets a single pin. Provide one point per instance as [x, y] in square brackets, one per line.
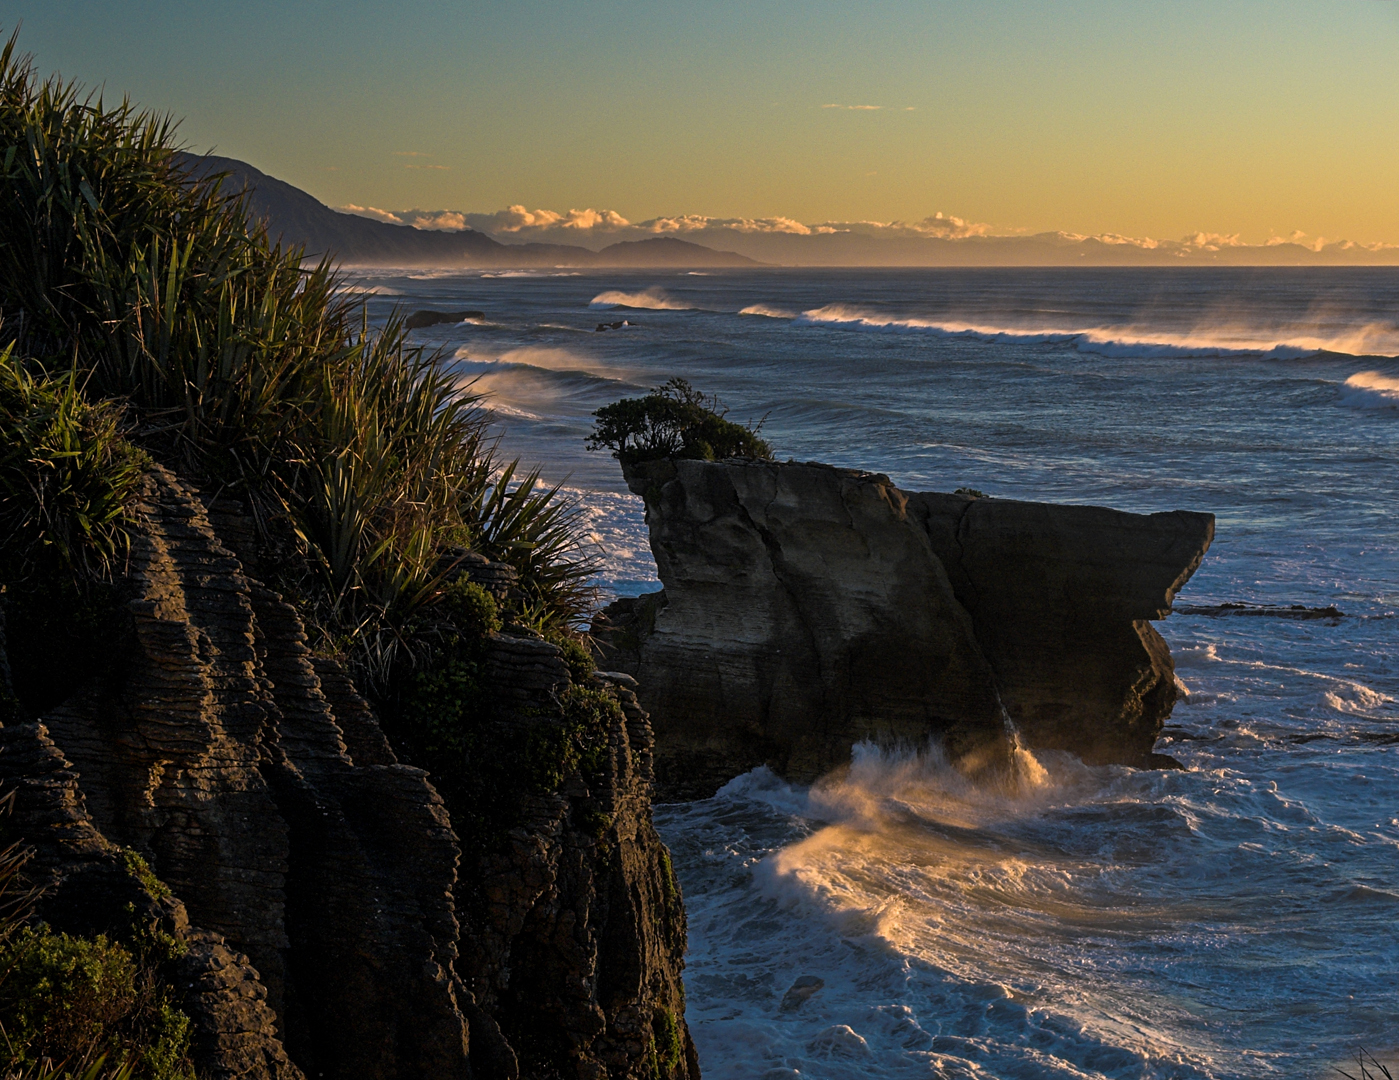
[1370, 390]
[650, 299]
[350, 289]
[1128, 341]
[769, 311]
[534, 383]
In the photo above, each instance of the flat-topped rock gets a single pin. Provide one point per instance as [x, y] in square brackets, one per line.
[808, 607]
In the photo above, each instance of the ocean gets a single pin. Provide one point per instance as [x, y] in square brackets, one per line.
[1236, 919]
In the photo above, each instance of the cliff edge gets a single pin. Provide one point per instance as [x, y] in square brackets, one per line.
[807, 607]
[331, 921]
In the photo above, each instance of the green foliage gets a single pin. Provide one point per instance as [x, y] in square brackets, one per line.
[472, 610]
[138, 868]
[594, 822]
[76, 1008]
[575, 655]
[126, 275]
[667, 1047]
[669, 884]
[444, 717]
[529, 526]
[970, 492]
[73, 1000]
[67, 477]
[553, 751]
[674, 420]
[98, 1070]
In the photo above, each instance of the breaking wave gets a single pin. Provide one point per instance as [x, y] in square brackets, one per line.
[648, 300]
[1371, 390]
[769, 311]
[352, 289]
[538, 383]
[1127, 341]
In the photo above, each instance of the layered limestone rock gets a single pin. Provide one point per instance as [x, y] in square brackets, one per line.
[315, 879]
[807, 607]
[1062, 598]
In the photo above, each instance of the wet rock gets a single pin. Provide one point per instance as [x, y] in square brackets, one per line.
[799, 991]
[1267, 611]
[420, 320]
[840, 1041]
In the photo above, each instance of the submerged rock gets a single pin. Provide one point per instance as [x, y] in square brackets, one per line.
[807, 607]
[420, 320]
[801, 989]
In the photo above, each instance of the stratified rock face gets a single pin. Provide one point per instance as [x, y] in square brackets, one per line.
[802, 613]
[807, 607]
[1061, 597]
[574, 930]
[315, 878]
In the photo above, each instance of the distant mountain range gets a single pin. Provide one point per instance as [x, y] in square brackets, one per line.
[296, 217]
[519, 239]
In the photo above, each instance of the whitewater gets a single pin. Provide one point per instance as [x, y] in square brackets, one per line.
[1238, 918]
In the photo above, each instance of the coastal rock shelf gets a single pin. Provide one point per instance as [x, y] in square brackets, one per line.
[807, 607]
[333, 926]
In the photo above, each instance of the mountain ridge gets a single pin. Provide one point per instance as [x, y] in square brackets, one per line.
[297, 217]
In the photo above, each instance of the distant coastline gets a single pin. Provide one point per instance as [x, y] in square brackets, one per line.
[299, 218]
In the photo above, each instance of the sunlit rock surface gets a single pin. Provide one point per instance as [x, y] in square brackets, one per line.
[807, 607]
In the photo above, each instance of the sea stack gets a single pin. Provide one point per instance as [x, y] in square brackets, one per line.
[807, 607]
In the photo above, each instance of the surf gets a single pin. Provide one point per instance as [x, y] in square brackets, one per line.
[1125, 341]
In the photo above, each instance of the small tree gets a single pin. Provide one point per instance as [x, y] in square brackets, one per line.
[674, 420]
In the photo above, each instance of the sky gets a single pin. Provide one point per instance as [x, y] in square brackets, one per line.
[1160, 118]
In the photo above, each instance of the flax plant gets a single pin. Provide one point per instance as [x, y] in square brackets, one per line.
[142, 282]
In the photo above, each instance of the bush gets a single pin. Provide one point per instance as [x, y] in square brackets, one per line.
[128, 274]
[67, 483]
[67, 477]
[75, 1000]
[83, 1007]
[674, 420]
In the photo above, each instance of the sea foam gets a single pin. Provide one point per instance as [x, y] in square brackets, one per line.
[653, 299]
[769, 311]
[1133, 342]
[1370, 390]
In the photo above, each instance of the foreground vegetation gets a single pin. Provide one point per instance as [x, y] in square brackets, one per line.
[144, 322]
[144, 315]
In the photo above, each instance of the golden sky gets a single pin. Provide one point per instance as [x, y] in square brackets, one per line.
[1141, 117]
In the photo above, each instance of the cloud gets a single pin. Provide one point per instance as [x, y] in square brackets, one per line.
[939, 225]
[410, 153]
[856, 108]
[439, 168]
[519, 220]
[434, 220]
[690, 223]
[1212, 241]
[596, 228]
[371, 212]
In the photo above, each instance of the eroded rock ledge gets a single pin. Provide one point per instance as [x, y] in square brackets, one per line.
[331, 927]
[807, 607]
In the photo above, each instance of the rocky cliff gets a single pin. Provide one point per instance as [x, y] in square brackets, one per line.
[331, 924]
[807, 607]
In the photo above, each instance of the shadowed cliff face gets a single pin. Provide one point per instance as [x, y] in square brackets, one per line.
[1061, 598]
[317, 881]
[807, 607]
